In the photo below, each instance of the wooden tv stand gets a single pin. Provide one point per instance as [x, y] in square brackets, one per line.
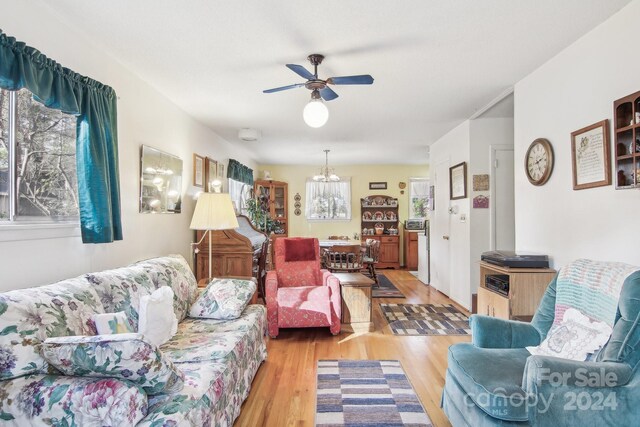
[526, 287]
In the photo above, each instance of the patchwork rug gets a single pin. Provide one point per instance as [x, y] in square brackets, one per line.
[425, 319]
[385, 289]
[366, 393]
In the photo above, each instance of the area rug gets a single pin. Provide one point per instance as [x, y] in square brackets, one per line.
[366, 393]
[425, 319]
[385, 289]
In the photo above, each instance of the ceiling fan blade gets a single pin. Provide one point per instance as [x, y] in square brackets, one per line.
[328, 94]
[364, 79]
[301, 71]
[278, 89]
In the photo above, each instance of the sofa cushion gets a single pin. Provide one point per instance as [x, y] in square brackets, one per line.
[223, 299]
[214, 389]
[121, 290]
[71, 401]
[207, 339]
[173, 271]
[124, 356]
[492, 378]
[304, 306]
[29, 316]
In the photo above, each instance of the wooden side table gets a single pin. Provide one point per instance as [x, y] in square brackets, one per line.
[356, 300]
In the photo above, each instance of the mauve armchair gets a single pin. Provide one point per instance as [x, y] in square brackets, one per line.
[299, 293]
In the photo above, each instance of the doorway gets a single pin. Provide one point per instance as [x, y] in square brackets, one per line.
[503, 228]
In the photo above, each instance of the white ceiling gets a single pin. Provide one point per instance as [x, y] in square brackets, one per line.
[434, 62]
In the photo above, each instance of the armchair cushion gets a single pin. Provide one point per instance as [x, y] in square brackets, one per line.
[299, 250]
[491, 332]
[492, 379]
[304, 306]
[124, 356]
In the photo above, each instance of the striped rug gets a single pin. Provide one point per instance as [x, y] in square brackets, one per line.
[425, 319]
[366, 393]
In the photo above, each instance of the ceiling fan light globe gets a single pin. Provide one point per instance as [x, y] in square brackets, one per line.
[334, 177]
[315, 113]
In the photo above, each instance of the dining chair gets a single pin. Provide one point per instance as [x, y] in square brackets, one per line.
[344, 259]
[370, 258]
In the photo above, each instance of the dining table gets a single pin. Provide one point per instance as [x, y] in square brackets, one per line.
[327, 244]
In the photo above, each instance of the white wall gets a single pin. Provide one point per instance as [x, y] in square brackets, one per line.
[452, 148]
[484, 133]
[144, 117]
[575, 89]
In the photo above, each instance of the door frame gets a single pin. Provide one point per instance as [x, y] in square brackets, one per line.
[492, 188]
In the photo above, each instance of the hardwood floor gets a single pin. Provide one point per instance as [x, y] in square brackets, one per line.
[283, 391]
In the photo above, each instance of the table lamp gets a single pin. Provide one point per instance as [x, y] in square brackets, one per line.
[214, 211]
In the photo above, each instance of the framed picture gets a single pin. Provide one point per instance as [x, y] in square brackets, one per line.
[377, 186]
[198, 170]
[590, 156]
[458, 181]
[211, 173]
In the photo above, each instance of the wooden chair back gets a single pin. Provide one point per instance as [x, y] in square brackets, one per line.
[344, 259]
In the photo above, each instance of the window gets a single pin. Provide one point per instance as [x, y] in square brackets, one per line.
[419, 197]
[329, 201]
[37, 161]
[239, 193]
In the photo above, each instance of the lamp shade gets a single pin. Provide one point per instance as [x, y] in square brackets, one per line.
[214, 211]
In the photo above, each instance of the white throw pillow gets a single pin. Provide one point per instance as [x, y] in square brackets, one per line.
[574, 338]
[157, 321]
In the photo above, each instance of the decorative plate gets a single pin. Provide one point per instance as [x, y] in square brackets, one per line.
[378, 201]
[378, 216]
[367, 216]
[391, 215]
[297, 197]
[297, 212]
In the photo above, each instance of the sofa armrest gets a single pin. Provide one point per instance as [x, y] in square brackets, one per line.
[333, 283]
[491, 332]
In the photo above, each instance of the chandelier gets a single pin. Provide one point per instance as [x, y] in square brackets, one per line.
[326, 174]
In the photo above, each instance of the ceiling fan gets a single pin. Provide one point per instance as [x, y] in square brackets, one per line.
[318, 85]
[316, 113]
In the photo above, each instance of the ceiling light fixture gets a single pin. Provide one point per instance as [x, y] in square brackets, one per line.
[315, 113]
[326, 174]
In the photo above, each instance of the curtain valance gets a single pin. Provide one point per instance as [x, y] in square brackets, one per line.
[94, 104]
[240, 172]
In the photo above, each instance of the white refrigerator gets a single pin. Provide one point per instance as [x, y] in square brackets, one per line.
[423, 255]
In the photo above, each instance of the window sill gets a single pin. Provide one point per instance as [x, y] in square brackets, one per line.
[329, 220]
[38, 230]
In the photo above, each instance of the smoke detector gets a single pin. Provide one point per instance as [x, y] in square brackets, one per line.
[249, 134]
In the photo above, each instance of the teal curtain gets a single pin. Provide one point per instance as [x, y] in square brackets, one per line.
[94, 104]
[239, 172]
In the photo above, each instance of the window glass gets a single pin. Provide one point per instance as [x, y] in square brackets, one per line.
[239, 193]
[328, 200]
[45, 160]
[419, 198]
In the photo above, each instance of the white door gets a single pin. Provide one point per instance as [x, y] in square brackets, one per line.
[439, 233]
[503, 236]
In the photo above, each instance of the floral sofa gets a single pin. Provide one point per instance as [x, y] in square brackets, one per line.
[218, 358]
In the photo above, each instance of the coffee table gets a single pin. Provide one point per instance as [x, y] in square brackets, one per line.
[356, 300]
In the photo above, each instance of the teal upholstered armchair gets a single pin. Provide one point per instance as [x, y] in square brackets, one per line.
[496, 381]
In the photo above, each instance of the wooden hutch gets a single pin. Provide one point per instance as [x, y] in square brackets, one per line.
[276, 193]
[379, 221]
[627, 141]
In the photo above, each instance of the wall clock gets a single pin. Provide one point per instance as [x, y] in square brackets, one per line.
[538, 162]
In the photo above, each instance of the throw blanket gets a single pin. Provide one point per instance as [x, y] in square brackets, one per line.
[591, 287]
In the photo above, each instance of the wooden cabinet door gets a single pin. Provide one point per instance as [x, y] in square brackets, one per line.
[389, 252]
[411, 250]
[500, 307]
[484, 301]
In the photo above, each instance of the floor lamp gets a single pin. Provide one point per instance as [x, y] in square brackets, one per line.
[214, 211]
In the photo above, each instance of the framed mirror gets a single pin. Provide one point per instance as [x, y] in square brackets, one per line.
[160, 181]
